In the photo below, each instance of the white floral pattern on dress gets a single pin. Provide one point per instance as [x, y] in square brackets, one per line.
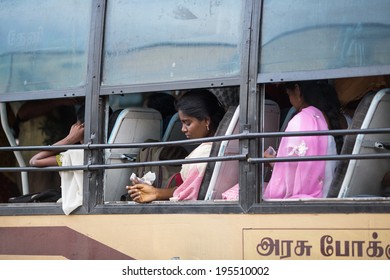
[299, 150]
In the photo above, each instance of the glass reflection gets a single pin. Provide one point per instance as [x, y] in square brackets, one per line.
[300, 35]
[44, 44]
[157, 41]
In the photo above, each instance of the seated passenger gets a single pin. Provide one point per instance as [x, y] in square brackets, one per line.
[43, 122]
[200, 113]
[318, 109]
[71, 181]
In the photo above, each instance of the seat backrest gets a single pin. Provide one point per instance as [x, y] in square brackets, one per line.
[221, 130]
[226, 173]
[290, 114]
[363, 177]
[133, 125]
[271, 122]
[173, 132]
[215, 181]
[349, 143]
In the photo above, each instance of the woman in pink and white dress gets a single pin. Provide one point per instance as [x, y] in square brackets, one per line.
[200, 113]
[317, 109]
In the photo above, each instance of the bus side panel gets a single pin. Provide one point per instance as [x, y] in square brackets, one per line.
[192, 236]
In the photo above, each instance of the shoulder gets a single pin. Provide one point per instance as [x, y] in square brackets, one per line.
[306, 119]
[203, 150]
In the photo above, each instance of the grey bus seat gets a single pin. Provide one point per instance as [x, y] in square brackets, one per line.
[349, 142]
[271, 122]
[173, 132]
[225, 173]
[290, 114]
[363, 177]
[133, 125]
[370, 113]
[221, 130]
[219, 182]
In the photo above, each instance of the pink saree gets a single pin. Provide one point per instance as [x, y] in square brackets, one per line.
[192, 175]
[305, 179]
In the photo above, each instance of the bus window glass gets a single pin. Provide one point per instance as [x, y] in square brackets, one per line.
[322, 35]
[159, 41]
[46, 48]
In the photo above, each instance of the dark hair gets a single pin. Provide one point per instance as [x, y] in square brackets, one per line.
[80, 113]
[162, 102]
[202, 104]
[323, 96]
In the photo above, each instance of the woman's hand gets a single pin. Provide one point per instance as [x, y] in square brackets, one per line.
[270, 153]
[142, 193]
[76, 133]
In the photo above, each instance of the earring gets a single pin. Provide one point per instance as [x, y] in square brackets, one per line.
[207, 127]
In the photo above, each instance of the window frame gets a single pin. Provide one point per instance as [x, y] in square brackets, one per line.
[250, 123]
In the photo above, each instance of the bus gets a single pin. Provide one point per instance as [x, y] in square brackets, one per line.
[110, 55]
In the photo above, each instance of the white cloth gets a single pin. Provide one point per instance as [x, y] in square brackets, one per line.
[192, 175]
[71, 180]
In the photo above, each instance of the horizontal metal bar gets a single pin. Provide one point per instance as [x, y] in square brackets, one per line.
[317, 158]
[202, 140]
[92, 167]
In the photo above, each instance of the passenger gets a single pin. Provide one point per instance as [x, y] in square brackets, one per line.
[71, 181]
[43, 122]
[164, 103]
[200, 113]
[318, 109]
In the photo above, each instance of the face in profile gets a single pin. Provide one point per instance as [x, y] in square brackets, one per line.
[192, 127]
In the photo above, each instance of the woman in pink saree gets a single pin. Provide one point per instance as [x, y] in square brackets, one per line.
[200, 113]
[318, 109]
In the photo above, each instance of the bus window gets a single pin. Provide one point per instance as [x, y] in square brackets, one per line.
[137, 125]
[116, 54]
[157, 41]
[132, 125]
[47, 49]
[322, 35]
[43, 122]
[350, 178]
[9, 180]
[363, 178]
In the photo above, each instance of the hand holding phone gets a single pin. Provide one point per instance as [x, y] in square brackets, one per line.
[270, 152]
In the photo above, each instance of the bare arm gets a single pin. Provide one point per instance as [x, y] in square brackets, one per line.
[48, 158]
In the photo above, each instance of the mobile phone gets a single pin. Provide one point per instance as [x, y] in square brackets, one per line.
[271, 151]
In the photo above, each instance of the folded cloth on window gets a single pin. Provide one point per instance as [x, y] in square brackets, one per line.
[71, 180]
